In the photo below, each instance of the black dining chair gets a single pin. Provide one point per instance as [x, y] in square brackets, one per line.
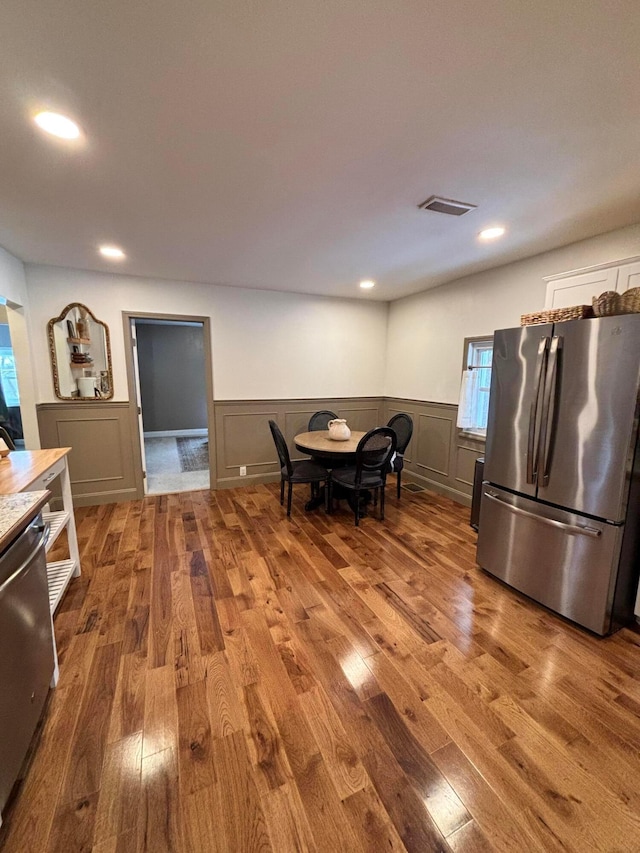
[402, 425]
[7, 438]
[320, 420]
[302, 471]
[373, 455]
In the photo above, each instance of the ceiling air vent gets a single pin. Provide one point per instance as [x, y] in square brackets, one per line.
[446, 205]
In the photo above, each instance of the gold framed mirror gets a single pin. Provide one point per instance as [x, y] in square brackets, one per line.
[80, 350]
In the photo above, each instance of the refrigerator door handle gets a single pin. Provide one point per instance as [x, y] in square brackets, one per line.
[532, 454]
[546, 437]
[593, 532]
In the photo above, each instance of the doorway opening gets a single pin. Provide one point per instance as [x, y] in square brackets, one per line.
[10, 417]
[170, 373]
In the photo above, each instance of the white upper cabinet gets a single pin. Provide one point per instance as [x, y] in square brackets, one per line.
[628, 277]
[579, 288]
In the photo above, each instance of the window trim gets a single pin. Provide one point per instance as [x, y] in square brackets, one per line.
[476, 435]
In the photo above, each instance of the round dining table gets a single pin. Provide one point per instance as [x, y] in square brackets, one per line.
[318, 443]
[331, 454]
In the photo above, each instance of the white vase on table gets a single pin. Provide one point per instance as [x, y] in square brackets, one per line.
[338, 430]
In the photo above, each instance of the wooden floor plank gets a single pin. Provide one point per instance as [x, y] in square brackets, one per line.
[443, 804]
[343, 765]
[241, 817]
[159, 827]
[83, 773]
[119, 799]
[195, 755]
[235, 680]
[287, 821]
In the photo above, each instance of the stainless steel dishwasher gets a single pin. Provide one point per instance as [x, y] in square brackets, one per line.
[26, 648]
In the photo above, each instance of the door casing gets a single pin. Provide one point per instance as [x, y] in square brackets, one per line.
[127, 316]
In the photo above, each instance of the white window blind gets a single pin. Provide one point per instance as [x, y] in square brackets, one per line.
[8, 377]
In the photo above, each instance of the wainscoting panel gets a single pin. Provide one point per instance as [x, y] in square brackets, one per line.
[101, 462]
[440, 456]
[466, 455]
[360, 419]
[391, 409]
[91, 466]
[433, 444]
[295, 422]
[244, 438]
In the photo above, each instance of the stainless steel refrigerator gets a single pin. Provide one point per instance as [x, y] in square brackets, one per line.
[560, 510]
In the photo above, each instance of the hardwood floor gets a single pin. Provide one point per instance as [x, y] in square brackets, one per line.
[234, 681]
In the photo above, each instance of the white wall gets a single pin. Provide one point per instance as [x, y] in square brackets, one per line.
[266, 345]
[13, 284]
[426, 332]
[13, 287]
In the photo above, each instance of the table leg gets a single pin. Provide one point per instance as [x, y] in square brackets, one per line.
[316, 500]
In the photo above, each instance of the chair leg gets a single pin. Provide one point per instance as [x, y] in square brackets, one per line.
[382, 502]
[327, 496]
[399, 479]
[281, 492]
[357, 507]
[289, 496]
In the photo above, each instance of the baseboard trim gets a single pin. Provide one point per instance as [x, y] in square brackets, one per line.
[177, 433]
[236, 482]
[409, 477]
[438, 488]
[97, 498]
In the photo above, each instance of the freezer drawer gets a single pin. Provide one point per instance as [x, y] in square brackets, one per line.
[565, 561]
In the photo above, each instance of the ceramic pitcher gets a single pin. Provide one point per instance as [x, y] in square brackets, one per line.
[338, 430]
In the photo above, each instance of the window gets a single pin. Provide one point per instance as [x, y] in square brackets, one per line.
[473, 410]
[8, 377]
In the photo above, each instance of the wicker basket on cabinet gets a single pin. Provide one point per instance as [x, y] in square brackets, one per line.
[630, 301]
[606, 304]
[557, 315]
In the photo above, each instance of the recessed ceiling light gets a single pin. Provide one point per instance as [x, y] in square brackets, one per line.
[112, 252]
[57, 125]
[367, 285]
[492, 233]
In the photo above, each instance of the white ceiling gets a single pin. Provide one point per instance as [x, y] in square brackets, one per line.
[285, 144]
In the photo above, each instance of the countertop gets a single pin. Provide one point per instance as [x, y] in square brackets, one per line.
[16, 511]
[21, 467]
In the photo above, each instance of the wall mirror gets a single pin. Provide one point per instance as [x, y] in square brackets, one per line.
[80, 352]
